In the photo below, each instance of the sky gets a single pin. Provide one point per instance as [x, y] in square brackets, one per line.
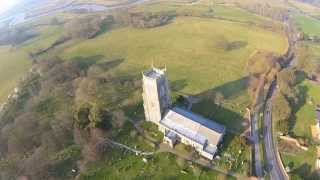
[7, 4]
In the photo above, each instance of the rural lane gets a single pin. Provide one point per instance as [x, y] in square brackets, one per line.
[274, 164]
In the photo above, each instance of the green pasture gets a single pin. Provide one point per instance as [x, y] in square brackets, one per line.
[307, 24]
[13, 64]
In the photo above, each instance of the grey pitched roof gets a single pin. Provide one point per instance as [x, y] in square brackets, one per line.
[193, 126]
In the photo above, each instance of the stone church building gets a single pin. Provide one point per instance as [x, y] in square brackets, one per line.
[177, 124]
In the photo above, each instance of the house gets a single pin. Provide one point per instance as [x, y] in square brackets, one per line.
[177, 124]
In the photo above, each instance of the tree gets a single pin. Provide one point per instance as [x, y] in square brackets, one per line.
[281, 112]
[253, 85]
[262, 63]
[81, 116]
[89, 115]
[84, 28]
[287, 80]
[307, 61]
[287, 76]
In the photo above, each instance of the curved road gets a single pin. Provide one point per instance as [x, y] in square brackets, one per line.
[274, 166]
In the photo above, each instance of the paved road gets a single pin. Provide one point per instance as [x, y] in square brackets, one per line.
[256, 145]
[274, 166]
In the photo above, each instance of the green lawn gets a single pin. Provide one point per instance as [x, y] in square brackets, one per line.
[13, 64]
[191, 50]
[308, 25]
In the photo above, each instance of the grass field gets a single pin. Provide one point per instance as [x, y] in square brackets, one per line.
[191, 50]
[118, 164]
[306, 115]
[228, 12]
[160, 166]
[13, 64]
[301, 164]
[188, 46]
[306, 8]
[308, 25]
[47, 36]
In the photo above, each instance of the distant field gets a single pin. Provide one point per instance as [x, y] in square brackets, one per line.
[206, 7]
[48, 35]
[306, 8]
[13, 64]
[191, 50]
[104, 2]
[308, 25]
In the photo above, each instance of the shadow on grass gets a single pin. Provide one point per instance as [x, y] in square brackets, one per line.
[208, 108]
[106, 26]
[305, 172]
[302, 171]
[220, 114]
[135, 111]
[107, 65]
[85, 62]
[178, 85]
[229, 89]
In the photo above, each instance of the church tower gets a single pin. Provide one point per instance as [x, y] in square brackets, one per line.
[156, 96]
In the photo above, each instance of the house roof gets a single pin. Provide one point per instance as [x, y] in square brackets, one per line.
[193, 126]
